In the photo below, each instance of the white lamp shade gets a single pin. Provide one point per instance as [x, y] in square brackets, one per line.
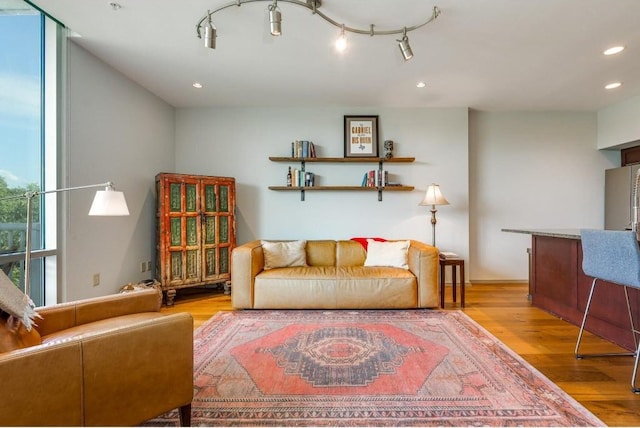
[433, 196]
[109, 203]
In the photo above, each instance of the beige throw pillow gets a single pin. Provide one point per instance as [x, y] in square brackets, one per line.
[284, 254]
[390, 253]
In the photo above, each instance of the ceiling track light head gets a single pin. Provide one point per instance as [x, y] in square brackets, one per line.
[210, 33]
[275, 21]
[405, 48]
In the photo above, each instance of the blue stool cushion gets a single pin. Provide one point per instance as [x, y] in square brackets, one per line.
[611, 255]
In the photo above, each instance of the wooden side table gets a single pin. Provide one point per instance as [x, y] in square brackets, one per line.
[453, 262]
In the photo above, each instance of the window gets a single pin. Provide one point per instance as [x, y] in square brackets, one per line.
[25, 73]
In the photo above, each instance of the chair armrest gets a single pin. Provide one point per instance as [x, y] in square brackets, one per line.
[423, 263]
[42, 385]
[66, 315]
[137, 372]
[120, 376]
[247, 261]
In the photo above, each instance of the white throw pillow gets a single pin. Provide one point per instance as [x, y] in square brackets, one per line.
[390, 253]
[284, 254]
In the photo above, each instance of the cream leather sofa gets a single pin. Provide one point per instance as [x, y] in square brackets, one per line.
[335, 278]
[113, 360]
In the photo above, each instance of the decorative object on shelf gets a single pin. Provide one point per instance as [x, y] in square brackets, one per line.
[107, 202]
[196, 231]
[309, 179]
[275, 20]
[289, 178]
[361, 136]
[388, 149]
[433, 197]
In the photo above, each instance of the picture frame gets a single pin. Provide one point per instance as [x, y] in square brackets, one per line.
[360, 136]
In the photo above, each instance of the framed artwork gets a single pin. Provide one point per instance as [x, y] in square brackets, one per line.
[361, 136]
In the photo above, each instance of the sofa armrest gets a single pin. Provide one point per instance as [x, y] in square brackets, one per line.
[423, 263]
[247, 261]
[66, 315]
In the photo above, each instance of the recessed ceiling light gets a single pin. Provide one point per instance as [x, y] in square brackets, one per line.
[197, 85]
[614, 50]
[613, 85]
[421, 85]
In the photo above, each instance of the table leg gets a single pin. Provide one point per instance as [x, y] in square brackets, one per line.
[442, 286]
[462, 285]
[453, 281]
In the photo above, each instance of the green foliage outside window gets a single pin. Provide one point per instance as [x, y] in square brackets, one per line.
[13, 222]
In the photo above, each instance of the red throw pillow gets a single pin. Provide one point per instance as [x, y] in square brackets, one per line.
[363, 241]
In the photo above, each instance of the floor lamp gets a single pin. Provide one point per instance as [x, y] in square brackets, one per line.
[433, 197]
[107, 202]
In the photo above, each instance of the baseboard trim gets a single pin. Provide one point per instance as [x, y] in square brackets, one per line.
[500, 281]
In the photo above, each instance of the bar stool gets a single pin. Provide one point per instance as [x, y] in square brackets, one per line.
[612, 256]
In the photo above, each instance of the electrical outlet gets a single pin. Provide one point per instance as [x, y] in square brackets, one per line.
[149, 265]
[143, 266]
[96, 279]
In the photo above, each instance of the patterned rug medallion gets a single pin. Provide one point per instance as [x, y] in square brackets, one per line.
[366, 368]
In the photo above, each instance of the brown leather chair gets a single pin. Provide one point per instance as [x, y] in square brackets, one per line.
[113, 360]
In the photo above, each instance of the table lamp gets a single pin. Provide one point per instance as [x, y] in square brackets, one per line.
[433, 197]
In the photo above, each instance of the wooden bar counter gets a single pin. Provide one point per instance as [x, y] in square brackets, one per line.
[559, 286]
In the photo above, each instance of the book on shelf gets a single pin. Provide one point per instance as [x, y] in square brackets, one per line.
[375, 178]
[303, 149]
[301, 178]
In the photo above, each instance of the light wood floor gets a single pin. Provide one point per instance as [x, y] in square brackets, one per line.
[602, 385]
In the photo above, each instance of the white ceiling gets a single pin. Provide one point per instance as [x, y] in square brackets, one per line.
[483, 54]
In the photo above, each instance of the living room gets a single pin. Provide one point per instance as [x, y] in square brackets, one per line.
[529, 166]
[495, 167]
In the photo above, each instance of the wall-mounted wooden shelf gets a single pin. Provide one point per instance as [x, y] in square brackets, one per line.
[379, 161]
[343, 160]
[351, 188]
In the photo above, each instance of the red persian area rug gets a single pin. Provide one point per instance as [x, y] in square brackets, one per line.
[366, 368]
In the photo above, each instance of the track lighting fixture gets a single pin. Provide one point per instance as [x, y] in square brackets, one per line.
[209, 33]
[405, 49]
[275, 21]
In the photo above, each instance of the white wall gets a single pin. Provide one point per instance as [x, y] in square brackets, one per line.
[497, 169]
[237, 142]
[618, 124]
[530, 170]
[116, 131]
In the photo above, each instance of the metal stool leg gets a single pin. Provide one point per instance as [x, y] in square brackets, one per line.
[584, 321]
[634, 388]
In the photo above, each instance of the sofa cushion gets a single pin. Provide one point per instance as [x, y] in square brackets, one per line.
[392, 254]
[311, 287]
[284, 254]
[350, 253]
[321, 253]
[362, 287]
